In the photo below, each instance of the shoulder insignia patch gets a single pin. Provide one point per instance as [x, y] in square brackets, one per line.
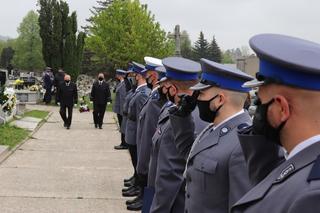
[286, 172]
[315, 171]
[243, 126]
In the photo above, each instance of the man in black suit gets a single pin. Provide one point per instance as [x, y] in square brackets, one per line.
[100, 95]
[67, 97]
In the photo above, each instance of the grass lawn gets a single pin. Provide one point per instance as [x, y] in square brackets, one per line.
[36, 114]
[11, 136]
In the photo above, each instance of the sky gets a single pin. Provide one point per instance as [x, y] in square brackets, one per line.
[232, 22]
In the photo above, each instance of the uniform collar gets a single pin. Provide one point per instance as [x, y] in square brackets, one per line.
[228, 119]
[303, 145]
[154, 89]
[142, 85]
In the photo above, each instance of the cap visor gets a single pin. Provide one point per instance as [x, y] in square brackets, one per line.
[144, 71]
[162, 80]
[200, 86]
[252, 84]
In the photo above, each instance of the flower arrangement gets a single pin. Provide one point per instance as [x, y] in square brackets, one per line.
[34, 88]
[18, 84]
[83, 106]
[8, 100]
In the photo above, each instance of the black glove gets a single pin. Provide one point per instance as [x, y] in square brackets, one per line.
[186, 104]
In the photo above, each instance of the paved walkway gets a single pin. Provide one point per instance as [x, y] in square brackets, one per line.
[61, 170]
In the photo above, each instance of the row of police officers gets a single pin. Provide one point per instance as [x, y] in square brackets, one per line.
[195, 148]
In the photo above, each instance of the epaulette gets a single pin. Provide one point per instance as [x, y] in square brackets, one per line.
[155, 96]
[315, 171]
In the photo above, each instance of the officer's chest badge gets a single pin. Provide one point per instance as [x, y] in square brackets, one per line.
[286, 172]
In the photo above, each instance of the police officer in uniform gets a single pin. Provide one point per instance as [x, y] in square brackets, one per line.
[169, 182]
[129, 182]
[147, 122]
[138, 98]
[216, 172]
[119, 102]
[287, 115]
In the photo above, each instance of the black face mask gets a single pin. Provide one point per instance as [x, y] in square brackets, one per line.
[206, 114]
[67, 82]
[261, 124]
[162, 95]
[169, 96]
[149, 83]
[100, 79]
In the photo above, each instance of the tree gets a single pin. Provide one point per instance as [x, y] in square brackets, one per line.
[62, 44]
[186, 49]
[201, 48]
[46, 29]
[6, 56]
[127, 31]
[227, 58]
[214, 51]
[28, 50]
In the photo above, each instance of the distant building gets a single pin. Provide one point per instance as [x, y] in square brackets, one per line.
[249, 65]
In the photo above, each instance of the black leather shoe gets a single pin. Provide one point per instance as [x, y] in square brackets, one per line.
[138, 198]
[135, 192]
[129, 179]
[100, 127]
[119, 147]
[96, 126]
[128, 184]
[129, 188]
[135, 206]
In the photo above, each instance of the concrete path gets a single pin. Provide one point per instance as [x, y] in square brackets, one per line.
[61, 170]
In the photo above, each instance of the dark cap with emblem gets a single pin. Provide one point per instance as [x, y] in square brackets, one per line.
[137, 68]
[222, 76]
[181, 69]
[286, 60]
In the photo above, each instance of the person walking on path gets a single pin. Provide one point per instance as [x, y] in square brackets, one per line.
[100, 95]
[67, 97]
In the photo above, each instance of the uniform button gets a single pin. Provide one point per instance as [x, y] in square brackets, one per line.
[188, 195]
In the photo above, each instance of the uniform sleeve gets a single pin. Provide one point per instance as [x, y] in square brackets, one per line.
[308, 202]
[239, 182]
[262, 156]
[151, 119]
[183, 131]
[141, 100]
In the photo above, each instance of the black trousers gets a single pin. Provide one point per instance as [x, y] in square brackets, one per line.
[123, 141]
[98, 113]
[134, 158]
[47, 96]
[63, 112]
